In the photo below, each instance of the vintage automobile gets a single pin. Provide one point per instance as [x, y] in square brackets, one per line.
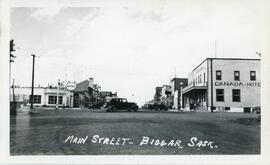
[158, 107]
[256, 110]
[97, 105]
[121, 104]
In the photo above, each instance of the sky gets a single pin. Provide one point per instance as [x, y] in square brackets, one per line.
[130, 49]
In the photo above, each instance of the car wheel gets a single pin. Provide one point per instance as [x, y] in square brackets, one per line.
[135, 109]
[113, 109]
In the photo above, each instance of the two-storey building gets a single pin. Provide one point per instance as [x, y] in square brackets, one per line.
[225, 84]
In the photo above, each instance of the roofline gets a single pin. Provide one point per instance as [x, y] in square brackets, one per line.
[200, 64]
[31, 87]
[256, 59]
[178, 78]
[235, 59]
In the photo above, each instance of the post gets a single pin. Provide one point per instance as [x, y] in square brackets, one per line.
[33, 76]
[181, 100]
[13, 105]
[211, 79]
[57, 94]
[13, 93]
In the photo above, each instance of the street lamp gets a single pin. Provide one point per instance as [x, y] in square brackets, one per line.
[181, 99]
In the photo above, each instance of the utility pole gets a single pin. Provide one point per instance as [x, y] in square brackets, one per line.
[57, 94]
[13, 93]
[32, 89]
[13, 104]
[11, 49]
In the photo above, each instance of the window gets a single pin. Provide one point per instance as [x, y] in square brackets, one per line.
[52, 99]
[236, 96]
[236, 75]
[36, 99]
[204, 77]
[252, 75]
[220, 94]
[60, 101]
[218, 75]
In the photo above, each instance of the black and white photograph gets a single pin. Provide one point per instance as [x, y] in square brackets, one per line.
[155, 78]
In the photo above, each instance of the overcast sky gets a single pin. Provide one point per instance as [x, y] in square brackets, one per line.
[130, 49]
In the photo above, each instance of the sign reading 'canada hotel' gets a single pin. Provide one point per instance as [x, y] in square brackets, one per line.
[239, 84]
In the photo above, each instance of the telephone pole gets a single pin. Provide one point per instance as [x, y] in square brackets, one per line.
[13, 104]
[32, 89]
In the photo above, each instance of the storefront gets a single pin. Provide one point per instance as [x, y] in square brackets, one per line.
[43, 96]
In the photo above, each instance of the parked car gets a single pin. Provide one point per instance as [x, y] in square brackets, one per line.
[256, 109]
[97, 105]
[121, 104]
[158, 107]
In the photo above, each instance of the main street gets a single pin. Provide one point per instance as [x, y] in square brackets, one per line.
[95, 132]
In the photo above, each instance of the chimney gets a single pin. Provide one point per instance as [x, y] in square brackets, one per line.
[91, 83]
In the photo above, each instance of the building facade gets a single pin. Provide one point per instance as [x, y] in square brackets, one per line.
[82, 93]
[157, 95]
[166, 98]
[224, 84]
[177, 85]
[43, 96]
[106, 96]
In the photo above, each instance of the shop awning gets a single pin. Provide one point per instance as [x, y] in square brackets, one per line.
[188, 89]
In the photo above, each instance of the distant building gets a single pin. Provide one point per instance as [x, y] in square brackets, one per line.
[94, 97]
[157, 96]
[43, 96]
[86, 93]
[166, 94]
[106, 96]
[177, 85]
[224, 84]
[82, 93]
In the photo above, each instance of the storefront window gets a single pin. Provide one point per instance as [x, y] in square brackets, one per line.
[36, 99]
[220, 94]
[236, 75]
[218, 75]
[236, 96]
[52, 99]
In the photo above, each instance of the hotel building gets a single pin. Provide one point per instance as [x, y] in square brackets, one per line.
[224, 84]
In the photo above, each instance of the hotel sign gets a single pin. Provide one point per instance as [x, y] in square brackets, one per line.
[238, 84]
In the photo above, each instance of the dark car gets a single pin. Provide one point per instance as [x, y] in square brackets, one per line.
[256, 110]
[121, 104]
[158, 107]
[97, 105]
